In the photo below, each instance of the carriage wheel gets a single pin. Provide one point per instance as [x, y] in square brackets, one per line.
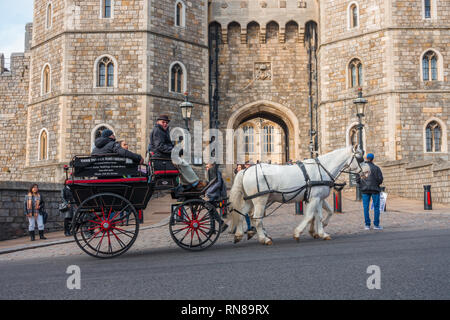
[193, 226]
[108, 230]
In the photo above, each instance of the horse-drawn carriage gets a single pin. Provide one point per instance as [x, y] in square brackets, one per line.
[111, 193]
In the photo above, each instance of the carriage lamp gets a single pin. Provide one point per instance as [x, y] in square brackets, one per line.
[186, 110]
[360, 104]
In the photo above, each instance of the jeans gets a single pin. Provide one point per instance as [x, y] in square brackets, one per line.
[376, 207]
[33, 220]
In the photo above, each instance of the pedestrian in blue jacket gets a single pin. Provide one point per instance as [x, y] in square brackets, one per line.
[369, 183]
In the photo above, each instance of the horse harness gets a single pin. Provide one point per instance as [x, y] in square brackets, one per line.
[309, 183]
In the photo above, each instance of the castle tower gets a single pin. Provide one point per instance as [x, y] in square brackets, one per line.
[100, 64]
[396, 52]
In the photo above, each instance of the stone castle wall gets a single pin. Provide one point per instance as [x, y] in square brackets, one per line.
[13, 117]
[13, 222]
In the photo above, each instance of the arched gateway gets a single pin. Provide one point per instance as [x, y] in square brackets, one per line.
[270, 133]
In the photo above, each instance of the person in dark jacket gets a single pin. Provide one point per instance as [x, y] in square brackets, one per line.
[68, 199]
[217, 191]
[161, 146]
[369, 183]
[107, 144]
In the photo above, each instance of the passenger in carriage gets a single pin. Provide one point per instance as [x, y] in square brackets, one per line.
[161, 146]
[107, 144]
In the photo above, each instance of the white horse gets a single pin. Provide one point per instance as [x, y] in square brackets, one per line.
[282, 184]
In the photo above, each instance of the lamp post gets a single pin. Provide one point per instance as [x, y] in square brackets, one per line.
[186, 110]
[360, 104]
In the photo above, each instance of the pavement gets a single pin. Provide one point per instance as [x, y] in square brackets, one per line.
[402, 215]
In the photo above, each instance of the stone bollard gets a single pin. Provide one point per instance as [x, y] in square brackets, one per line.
[427, 203]
[337, 201]
[299, 208]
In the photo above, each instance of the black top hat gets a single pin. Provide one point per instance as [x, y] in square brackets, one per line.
[163, 117]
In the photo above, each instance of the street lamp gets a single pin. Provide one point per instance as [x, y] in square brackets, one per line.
[360, 104]
[186, 110]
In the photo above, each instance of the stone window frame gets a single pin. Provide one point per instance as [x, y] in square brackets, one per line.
[350, 25]
[348, 132]
[40, 158]
[360, 81]
[184, 82]
[268, 138]
[96, 70]
[444, 143]
[182, 16]
[433, 10]
[49, 20]
[43, 80]
[249, 143]
[102, 7]
[440, 65]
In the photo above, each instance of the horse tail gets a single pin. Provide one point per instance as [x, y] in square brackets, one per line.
[237, 197]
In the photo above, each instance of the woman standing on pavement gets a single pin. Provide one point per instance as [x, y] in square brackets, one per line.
[33, 204]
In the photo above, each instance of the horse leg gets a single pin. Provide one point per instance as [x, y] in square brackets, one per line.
[239, 234]
[320, 230]
[258, 214]
[309, 215]
[329, 211]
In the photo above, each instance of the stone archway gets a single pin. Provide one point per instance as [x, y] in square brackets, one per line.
[271, 111]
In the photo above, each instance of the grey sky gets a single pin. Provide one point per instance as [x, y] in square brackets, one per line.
[14, 15]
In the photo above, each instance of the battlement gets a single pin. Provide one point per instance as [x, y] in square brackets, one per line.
[263, 11]
[14, 65]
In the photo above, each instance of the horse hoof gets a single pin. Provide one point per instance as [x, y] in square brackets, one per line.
[269, 242]
[297, 239]
[236, 239]
[316, 236]
[250, 235]
[327, 238]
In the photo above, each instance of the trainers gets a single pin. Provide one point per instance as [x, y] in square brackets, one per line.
[378, 228]
[367, 228]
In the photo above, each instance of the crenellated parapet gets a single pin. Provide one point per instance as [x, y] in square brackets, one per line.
[283, 13]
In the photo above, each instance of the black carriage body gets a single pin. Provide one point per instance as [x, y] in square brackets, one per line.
[93, 175]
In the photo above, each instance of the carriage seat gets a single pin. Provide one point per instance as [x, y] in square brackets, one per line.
[164, 173]
[105, 166]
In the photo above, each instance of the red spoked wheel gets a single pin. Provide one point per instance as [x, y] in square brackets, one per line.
[105, 225]
[195, 225]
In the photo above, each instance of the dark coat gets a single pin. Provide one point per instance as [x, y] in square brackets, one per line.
[218, 190]
[160, 144]
[111, 146]
[371, 184]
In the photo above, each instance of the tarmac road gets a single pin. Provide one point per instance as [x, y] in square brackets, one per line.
[412, 264]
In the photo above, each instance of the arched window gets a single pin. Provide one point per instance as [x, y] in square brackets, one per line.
[248, 139]
[43, 145]
[355, 73]
[105, 76]
[353, 15]
[354, 136]
[49, 14]
[427, 9]
[433, 137]
[268, 139]
[430, 66]
[180, 14]
[46, 80]
[106, 8]
[177, 78]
